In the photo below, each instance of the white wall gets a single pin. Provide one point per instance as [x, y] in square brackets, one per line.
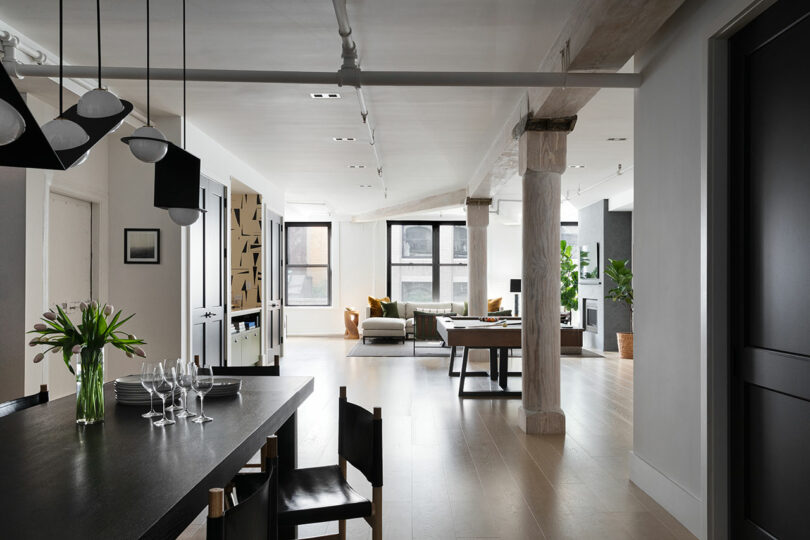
[504, 260]
[669, 455]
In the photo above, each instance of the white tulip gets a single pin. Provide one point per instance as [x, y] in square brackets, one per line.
[82, 306]
[132, 336]
[108, 310]
[129, 355]
[94, 304]
[49, 315]
[139, 352]
[56, 350]
[76, 349]
[40, 326]
[38, 358]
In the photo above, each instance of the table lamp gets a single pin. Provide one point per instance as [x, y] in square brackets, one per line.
[514, 286]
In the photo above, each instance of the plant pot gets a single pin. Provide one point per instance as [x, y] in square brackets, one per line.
[625, 340]
[89, 386]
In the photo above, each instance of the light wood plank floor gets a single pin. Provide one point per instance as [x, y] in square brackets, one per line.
[463, 469]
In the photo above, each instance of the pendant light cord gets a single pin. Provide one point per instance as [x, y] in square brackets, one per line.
[61, 108]
[148, 123]
[98, 32]
[184, 76]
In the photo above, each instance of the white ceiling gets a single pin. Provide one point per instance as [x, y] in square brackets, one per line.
[431, 139]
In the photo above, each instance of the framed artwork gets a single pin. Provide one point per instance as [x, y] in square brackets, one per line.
[141, 246]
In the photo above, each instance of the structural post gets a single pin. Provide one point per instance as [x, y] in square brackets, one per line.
[542, 157]
[477, 222]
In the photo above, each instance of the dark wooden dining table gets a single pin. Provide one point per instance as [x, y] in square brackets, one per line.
[126, 478]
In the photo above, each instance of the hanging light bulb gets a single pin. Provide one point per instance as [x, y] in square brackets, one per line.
[12, 124]
[63, 134]
[146, 144]
[99, 103]
[184, 216]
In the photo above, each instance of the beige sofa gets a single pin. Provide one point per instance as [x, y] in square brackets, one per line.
[402, 327]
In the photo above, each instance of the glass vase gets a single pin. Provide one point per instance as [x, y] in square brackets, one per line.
[89, 386]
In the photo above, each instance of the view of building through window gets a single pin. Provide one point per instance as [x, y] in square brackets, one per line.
[428, 261]
[308, 264]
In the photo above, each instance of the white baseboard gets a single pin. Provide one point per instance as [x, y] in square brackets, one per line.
[684, 506]
[336, 334]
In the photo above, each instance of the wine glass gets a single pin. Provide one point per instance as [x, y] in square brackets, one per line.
[148, 383]
[164, 387]
[202, 381]
[172, 375]
[184, 376]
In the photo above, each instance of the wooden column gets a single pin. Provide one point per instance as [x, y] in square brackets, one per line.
[542, 157]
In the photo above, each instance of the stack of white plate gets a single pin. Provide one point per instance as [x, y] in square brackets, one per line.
[224, 387]
[130, 391]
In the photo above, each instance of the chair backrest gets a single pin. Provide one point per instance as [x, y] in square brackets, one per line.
[360, 438]
[19, 404]
[255, 514]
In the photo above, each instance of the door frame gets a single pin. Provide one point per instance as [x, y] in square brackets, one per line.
[716, 286]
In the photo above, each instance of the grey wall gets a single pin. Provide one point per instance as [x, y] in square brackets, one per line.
[613, 232]
[12, 283]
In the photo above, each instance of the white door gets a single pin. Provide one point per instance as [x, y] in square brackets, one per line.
[70, 260]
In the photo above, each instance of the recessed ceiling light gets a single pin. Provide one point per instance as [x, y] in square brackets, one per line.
[344, 139]
[356, 166]
[617, 139]
[325, 95]
[576, 166]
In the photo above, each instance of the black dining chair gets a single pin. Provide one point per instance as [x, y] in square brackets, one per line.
[19, 404]
[247, 509]
[320, 494]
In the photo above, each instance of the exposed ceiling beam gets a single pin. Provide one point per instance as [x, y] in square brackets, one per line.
[440, 201]
[600, 37]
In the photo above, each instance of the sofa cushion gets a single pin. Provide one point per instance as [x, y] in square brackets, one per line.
[390, 310]
[406, 309]
[494, 304]
[375, 305]
[383, 323]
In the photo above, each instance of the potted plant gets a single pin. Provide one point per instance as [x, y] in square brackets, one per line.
[620, 273]
[569, 280]
[86, 340]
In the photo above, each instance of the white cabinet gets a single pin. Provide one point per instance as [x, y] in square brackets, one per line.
[245, 347]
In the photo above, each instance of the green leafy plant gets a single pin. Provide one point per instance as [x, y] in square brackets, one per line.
[96, 329]
[569, 278]
[620, 273]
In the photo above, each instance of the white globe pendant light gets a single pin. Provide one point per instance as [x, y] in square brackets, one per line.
[99, 103]
[144, 146]
[12, 124]
[64, 134]
[143, 143]
[184, 216]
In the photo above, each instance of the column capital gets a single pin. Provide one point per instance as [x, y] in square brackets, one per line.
[477, 212]
[543, 144]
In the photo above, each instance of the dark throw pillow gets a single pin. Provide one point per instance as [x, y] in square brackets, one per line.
[390, 310]
[502, 313]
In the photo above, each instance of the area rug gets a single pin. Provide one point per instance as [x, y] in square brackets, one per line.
[426, 348]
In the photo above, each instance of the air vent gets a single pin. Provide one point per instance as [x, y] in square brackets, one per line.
[356, 166]
[344, 139]
[617, 139]
[365, 185]
[576, 166]
[325, 95]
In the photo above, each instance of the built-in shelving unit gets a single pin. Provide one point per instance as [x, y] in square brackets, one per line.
[246, 280]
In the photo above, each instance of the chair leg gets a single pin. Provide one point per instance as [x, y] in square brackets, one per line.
[452, 360]
[376, 527]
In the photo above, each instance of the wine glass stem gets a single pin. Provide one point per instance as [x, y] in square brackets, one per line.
[163, 399]
[151, 402]
[202, 401]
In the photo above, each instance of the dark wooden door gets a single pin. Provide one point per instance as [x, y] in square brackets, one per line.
[274, 263]
[770, 274]
[207, 275]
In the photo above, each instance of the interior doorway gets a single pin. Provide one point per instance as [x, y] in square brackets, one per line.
[70, 271]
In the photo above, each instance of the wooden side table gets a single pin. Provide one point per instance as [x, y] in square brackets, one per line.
[351, 319]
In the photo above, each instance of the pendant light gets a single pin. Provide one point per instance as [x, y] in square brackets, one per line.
[147, 143]
[12, 124]
[64, 134]
[99, 103]
[184, 216]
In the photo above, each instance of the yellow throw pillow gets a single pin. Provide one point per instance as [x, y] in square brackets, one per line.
[376, 305]
[494, 304]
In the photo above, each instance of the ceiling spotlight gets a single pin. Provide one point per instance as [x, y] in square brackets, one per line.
[325, 95]
[344, 139]
[356, 166]
[617, 139]
[576, 166]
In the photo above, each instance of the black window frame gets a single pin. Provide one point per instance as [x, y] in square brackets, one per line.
[435, 263]
[288, 265]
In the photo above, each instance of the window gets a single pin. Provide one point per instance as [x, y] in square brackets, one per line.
[427, 261]
[309, 271]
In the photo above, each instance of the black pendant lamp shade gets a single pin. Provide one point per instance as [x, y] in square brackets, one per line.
[32, 148]
[177, 180]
